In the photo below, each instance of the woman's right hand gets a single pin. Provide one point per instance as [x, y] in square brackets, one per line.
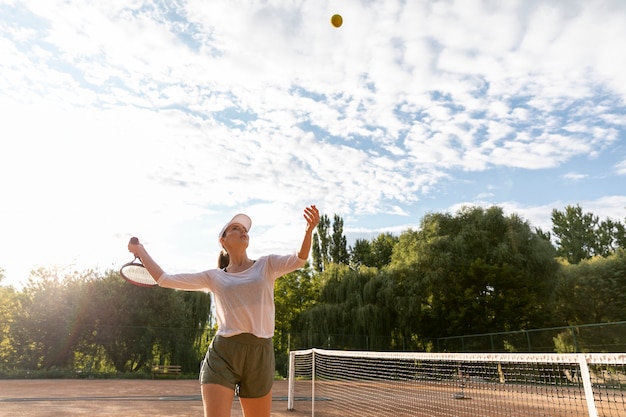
[135, 247]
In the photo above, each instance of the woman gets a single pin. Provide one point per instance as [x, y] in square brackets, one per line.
[241, 356]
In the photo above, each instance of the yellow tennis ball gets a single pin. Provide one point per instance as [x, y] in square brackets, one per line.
[336, 20]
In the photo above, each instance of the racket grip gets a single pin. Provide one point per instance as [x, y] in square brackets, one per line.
[134, 241]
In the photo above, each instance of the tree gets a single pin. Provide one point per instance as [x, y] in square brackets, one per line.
[89, 322]
[47, 328]
[351, 309]
[321, 244]
[361, 254]
[580, 235]
[329, 248]
[376, 253]
[482, 272]
[382, 249]
[9, 306]
[339, 245]
[293, 293]
[592, 291]
[611, 235]
[136, 327]
[406, 252]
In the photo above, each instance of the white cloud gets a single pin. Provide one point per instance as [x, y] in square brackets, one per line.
[573, 176]
[120, 116]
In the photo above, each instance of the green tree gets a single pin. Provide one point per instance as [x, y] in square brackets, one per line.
[543, 234]
[382, 249]
[47, 328]
[406, 252]
[376, 253]
[579, 235]
[482, 272]
[89, 322]
[9, 306]
[339, 245]
[351, 309]
[361, 253]
[293, 294]
[137, 326]
[610, 237]
[329, 248]
[592, 291]
[321, 244]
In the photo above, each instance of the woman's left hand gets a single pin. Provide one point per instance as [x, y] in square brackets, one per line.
[312, 217]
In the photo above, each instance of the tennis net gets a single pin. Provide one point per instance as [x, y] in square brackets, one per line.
[350, 383]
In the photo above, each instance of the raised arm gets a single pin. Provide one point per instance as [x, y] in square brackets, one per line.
[312, 217]
[139, 251]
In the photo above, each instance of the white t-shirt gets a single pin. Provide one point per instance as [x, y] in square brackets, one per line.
[244, 301]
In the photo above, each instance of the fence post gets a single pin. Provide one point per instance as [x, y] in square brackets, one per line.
[312, 382]
[573, 331]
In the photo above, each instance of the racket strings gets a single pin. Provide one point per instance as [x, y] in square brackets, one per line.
[138, 274]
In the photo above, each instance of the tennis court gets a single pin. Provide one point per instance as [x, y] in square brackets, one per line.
[129, 398]
[424, 399]
[427, 397]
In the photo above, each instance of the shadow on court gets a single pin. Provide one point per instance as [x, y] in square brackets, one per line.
[130, 398]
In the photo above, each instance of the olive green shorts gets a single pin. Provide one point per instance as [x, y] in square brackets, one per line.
[244, 363]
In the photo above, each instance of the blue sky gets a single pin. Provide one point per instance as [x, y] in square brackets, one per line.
[163, 119]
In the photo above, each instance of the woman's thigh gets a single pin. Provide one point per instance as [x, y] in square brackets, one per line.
[217, 400]
[257, 407]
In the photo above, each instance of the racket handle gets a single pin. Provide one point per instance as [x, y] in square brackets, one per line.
[134, 241]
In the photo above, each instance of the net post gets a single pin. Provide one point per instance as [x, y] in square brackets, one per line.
[586, 377]
[292, 380]
[313, 382]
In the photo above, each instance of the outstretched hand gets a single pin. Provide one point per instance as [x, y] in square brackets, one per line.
[312, 217]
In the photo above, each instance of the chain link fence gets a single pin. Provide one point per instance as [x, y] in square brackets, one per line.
[600, 337]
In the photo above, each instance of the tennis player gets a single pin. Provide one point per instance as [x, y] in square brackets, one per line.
[241, 356]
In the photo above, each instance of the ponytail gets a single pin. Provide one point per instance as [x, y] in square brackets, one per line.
[223, 259]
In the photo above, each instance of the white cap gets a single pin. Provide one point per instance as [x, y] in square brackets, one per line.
[240, 218]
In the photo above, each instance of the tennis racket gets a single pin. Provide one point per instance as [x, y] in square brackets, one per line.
[134, 271]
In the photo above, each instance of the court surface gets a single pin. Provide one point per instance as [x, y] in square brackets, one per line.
[129, 398]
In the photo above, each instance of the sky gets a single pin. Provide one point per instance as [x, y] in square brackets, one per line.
[163, 119]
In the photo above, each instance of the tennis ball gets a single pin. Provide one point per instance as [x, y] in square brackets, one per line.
[336, 20]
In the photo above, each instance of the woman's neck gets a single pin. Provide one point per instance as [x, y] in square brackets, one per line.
[239, 262]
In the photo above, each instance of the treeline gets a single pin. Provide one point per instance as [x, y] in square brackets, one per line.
[89, 323]
[474, 271]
